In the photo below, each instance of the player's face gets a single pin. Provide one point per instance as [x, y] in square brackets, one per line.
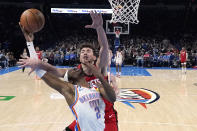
[87, 55]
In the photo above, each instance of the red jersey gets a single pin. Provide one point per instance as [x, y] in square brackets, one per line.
[183, 55]
[39, 54]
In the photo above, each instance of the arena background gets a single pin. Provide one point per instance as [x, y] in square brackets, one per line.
[158, 97]
[160, 20]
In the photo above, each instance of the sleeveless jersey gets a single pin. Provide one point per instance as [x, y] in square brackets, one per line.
[183, 56]
[110, 112]
[89, 109]
[119, 55]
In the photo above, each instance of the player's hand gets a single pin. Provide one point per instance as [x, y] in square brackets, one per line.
[114, 84]
[28, 36]
[97, 20]
[29, 62]
[95, 71]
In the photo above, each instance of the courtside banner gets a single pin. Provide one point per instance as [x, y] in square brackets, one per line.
[80, 11]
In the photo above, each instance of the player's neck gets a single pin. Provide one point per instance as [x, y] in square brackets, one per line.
[86, 70]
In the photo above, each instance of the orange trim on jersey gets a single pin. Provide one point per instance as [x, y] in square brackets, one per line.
[76, 95]
[72, 107]
[76, 119]
[78, 126]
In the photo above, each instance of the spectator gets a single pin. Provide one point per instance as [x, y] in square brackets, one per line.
[140, 59]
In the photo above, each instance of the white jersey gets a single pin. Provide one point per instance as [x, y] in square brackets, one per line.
[119, 58]
[89, 109]
[119, 55]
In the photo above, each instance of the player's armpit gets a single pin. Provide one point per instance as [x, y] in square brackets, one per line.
[65, 88]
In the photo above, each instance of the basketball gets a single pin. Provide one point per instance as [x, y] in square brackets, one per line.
[32, 20]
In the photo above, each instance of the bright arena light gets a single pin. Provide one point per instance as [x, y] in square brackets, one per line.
[79, 11]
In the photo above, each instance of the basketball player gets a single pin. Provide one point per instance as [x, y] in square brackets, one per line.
[24, 56]
[86, 102]
[39, 53]
[86, 53]
[183, 58]
[119, 60]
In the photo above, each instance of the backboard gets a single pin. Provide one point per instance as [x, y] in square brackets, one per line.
[111, 28]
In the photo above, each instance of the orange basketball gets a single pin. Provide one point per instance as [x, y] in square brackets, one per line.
[33, 20]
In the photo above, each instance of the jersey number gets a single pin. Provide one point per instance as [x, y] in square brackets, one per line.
[98, 115]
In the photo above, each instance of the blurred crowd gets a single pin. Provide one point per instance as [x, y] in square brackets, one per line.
[138, 51]
[158, 52]
[66, 52]
[7, 59]
[141, 52]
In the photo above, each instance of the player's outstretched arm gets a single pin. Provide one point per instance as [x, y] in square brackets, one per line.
[65, 88]
[52, 69]
[29, 37]
[97, 23]
[34, 63]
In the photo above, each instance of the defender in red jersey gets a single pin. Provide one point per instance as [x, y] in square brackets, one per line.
[39, 53]
[84, 76]
[183, 59]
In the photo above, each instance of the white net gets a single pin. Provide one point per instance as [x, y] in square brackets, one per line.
[125, 11]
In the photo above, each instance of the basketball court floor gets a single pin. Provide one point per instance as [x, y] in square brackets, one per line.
[155, 100]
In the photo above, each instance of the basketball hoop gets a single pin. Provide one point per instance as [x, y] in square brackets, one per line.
[125, 11]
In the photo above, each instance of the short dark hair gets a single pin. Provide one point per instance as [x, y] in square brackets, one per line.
[89, 46]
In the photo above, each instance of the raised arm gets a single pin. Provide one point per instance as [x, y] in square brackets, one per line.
[52, 69]
[36, 63]
[103, 59]
[97, 24]
[33, 63]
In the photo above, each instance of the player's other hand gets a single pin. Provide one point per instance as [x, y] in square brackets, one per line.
[28, 36]
[95, 71]
[29, 62]
[114, 84]
[97, 20]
